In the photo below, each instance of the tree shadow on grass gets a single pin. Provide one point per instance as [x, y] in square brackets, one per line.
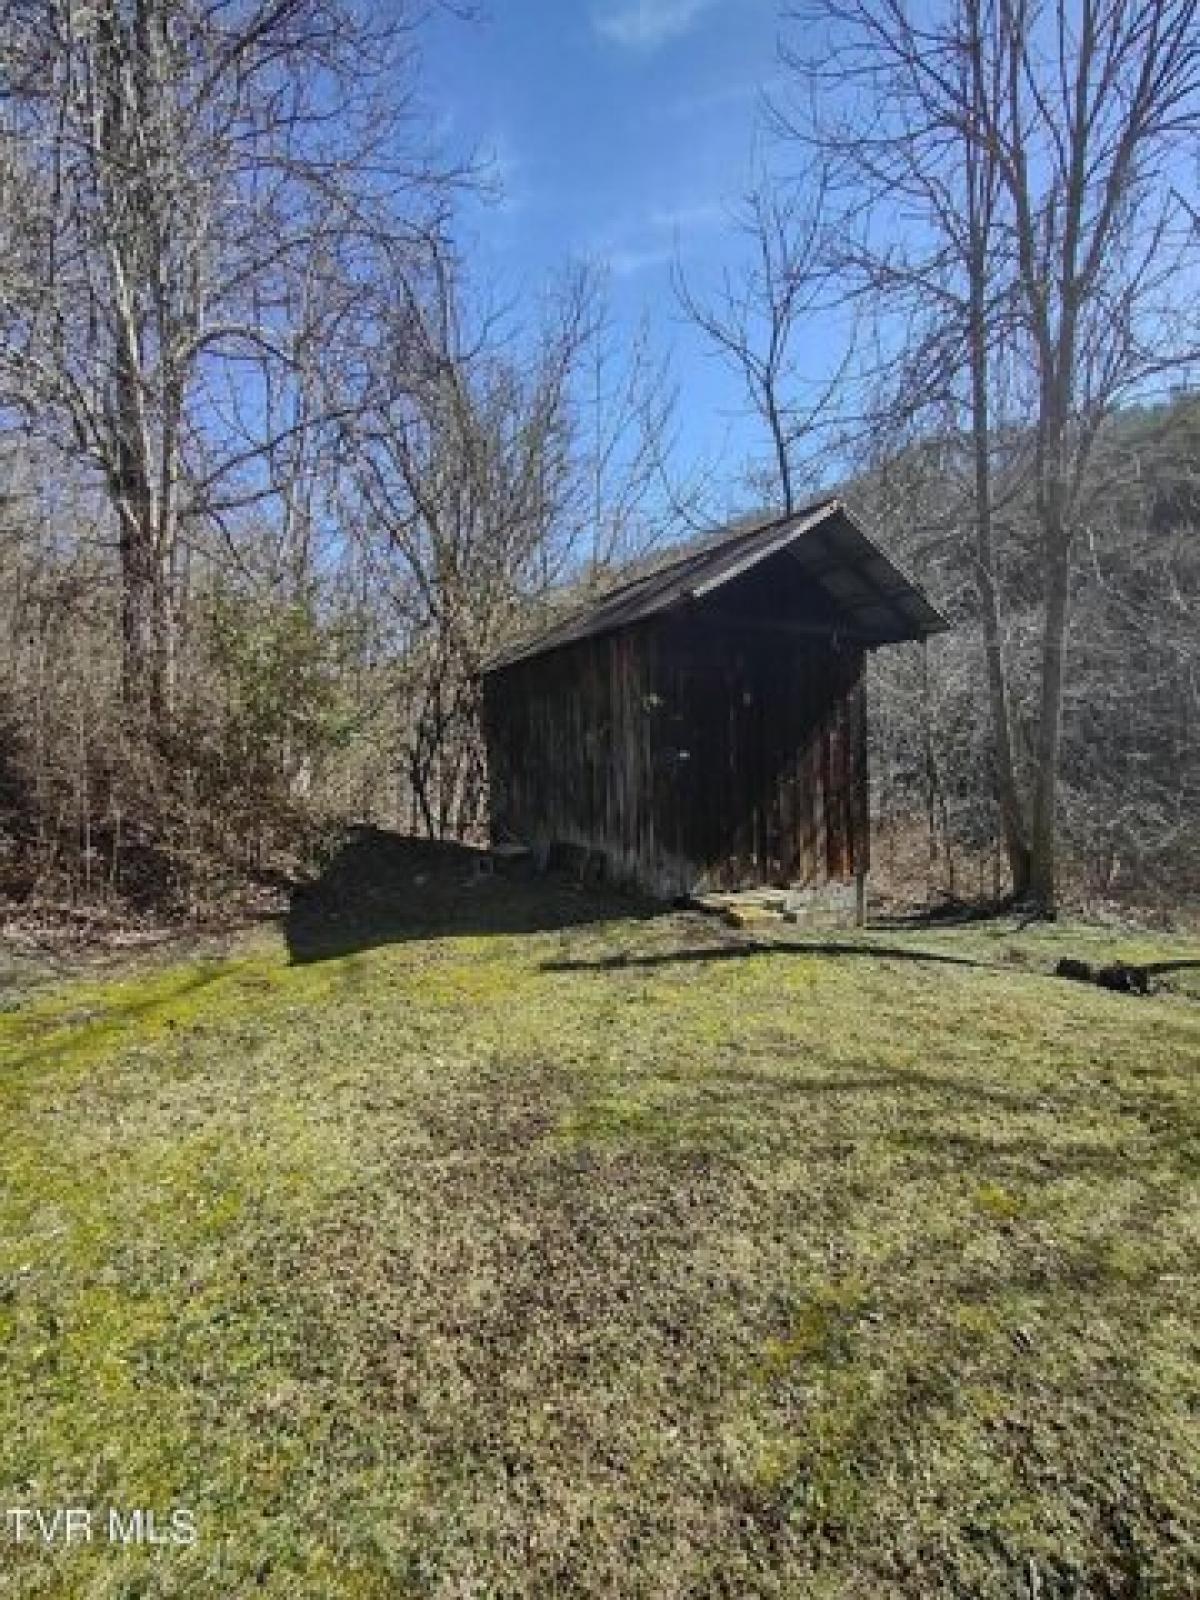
[747, 948]
[1123, 978]
[384, 888]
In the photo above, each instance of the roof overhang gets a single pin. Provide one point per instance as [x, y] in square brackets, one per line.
[879, 602]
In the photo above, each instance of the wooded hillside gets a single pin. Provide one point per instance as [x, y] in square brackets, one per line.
[1130, 801]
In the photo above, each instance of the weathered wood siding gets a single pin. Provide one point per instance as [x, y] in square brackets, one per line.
[762, 745]
[714, 748]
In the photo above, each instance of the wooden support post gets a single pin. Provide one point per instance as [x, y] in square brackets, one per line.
[860, 899]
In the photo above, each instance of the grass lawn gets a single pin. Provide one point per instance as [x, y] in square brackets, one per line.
[596, 1254]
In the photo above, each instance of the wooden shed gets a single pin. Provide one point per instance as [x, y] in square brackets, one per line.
[703, 727]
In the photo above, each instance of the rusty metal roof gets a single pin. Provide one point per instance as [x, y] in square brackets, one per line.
[880, 604]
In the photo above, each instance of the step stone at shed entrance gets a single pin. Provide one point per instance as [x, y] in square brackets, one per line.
[830, 905]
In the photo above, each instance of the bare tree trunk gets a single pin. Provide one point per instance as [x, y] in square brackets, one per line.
[122, 69]
[143, 590]
[779, 444]
[981, 185]
[1043, 864]
[1008, 798]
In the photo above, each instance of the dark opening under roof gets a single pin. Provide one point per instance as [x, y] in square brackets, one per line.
[880, 604]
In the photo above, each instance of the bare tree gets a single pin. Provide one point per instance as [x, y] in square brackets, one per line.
[1000, 166]
[1102, 253]
[900, 150]
[172, 171]
[468, 497]
[627, 409]
[757, 320]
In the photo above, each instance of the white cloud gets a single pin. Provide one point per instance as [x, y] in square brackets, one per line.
[658, 237]
[646, 24]
[627, 263]
[687, 218]
[721, 96]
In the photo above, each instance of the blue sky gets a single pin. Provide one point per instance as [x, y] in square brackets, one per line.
[622, 131]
